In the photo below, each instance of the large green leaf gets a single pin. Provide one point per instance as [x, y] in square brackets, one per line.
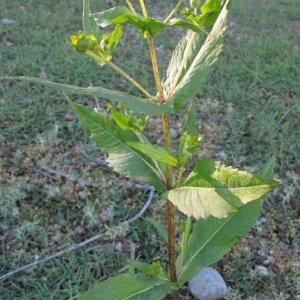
[130, 287]
[113, 140]
[118, 15]
[121, 15]
[192, 60]
[213, 237]
[215, 190]
[134, 103]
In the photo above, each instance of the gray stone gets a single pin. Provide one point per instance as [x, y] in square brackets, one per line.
[173, 133]
[283, 246]
[7, 21]
[208, 285]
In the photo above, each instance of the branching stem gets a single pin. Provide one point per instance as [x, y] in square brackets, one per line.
[130, 79]
[144, 10]
[121, 72]
[130, 6]
[173, 11]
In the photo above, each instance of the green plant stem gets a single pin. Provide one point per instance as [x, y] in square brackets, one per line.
[144, 10]
[121, 72]
[130, 79]
[130, 6]
[156, 70]
[168, 18]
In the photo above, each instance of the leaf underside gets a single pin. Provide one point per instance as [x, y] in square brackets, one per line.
[213, 236]
[192, 60]
[215, 190]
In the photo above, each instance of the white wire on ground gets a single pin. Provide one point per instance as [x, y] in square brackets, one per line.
[84, 243]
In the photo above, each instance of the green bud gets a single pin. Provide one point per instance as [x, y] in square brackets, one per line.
[195, 3]
[81, 42]
[188, 146]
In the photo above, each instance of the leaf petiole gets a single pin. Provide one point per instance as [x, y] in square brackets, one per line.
[173, 12]
[130, 6]
[143, 7]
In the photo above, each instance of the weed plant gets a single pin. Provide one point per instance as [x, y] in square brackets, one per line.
[224, 112]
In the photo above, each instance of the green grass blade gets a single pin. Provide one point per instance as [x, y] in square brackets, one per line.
[134, 103]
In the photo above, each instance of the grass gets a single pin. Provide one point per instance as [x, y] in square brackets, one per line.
[248, 111]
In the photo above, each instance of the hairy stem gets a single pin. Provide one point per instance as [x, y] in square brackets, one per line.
[171, 244]
[155, 69]
[170, 209]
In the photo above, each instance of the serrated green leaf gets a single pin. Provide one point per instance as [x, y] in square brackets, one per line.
[123, 121]
[153, 26]
[176, 22]
[118, 15]
[215, 190]
[136, 104]
[212, 238]
[122, 158]
[121, 15]
[155, 152]
[192, 61]
[129, 287]
[90, 26]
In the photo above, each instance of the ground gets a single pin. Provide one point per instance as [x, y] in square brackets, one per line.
[55, 190]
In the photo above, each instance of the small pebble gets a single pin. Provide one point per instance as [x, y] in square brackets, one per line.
[173, 133]
[8, 22]
[283, 246]
[262, 271]
[208, 285]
